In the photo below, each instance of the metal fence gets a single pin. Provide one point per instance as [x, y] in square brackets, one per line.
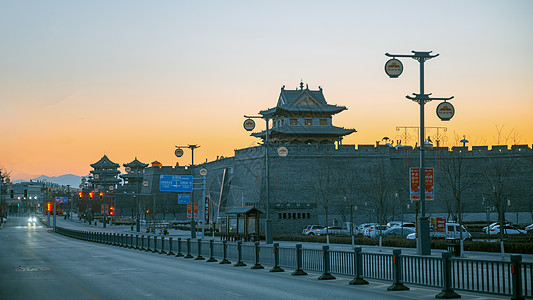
[513, 278]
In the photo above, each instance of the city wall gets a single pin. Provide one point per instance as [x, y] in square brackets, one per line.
[300, 190]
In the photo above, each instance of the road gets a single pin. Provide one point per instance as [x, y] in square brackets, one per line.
[36, 263]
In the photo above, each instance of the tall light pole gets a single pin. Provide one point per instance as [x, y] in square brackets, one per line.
[249, 125]
[394, 68]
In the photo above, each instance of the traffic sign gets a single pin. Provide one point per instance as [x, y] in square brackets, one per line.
[175, 183]
[61, 199]
[184, 198]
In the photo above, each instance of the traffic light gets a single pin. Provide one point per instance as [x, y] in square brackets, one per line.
[91, 194]
[147, 211]
[80, 195]
[111, 210]
[101, 195]
[49, 206]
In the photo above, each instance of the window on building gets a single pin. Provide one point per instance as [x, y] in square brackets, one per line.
[289, 215]
[309, 215]
[284, 216]
[299, 215]
[294, 122]
[308, 121]
[323, 122]
[294, 215]
[279, 216]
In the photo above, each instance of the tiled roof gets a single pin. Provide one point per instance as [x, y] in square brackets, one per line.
[104, 162]
[305, 130]
[135, 164]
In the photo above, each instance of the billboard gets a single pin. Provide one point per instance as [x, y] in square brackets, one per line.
[175, 183]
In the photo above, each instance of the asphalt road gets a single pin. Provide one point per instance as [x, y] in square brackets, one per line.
[36, 263]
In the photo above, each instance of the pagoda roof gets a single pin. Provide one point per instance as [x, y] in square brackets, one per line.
[104, 163]
[302, 101]
[307, 130]
[135, 164]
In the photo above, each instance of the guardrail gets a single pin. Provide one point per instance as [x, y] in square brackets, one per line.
[510, 278]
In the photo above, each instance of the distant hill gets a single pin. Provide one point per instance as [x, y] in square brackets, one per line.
[67, 179]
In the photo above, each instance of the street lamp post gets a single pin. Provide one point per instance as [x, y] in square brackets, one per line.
[266, 144]
[424, 245]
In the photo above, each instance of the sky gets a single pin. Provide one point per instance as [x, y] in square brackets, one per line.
[131, 78]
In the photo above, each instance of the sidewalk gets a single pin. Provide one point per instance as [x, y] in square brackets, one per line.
[75, 223]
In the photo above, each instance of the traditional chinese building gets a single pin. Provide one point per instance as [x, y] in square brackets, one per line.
[303, 117]
[104, 174]
[134, 175]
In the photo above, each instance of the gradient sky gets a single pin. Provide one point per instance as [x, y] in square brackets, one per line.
[80, 79]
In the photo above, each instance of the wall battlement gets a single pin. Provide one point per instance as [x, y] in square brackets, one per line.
[381, 150]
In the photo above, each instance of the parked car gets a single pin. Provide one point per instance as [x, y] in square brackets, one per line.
[452, 230]
[529, 228]
[402, 224]
[363, 226]
[487, 228]
[375, 230]
[398, 231]
[333, 230]
[507, 229]
[312, 229]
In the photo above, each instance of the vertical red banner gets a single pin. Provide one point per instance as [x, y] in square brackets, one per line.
[189, 210]
[414, 178]
[196, 210]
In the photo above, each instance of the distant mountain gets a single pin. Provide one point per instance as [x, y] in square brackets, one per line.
[67, 179]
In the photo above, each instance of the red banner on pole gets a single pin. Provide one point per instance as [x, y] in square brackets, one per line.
[189, 210]
[196, 210]
[414, 178]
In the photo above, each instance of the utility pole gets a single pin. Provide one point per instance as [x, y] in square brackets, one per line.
[394, 68]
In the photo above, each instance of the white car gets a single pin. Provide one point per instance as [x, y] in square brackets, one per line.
[333, 230]
[487, 228]
[507, 229]
[375, 230]
[452, 230]
[363, 226]
[32, 220]
[529, 228]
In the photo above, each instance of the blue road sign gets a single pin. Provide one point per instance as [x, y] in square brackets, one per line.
[175, 183]
[184, 198]
[61, 199]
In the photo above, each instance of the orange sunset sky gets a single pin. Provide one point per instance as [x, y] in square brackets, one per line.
[80, 79]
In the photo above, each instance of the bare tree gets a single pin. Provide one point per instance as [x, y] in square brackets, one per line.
[495, 170]
[5, 179]
[322, 184]
[455, 177]
[379, 189]
[347, 185]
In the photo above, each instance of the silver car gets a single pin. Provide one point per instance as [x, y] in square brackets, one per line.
[312, 229]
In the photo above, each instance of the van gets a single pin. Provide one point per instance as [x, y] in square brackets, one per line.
[452, 231]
